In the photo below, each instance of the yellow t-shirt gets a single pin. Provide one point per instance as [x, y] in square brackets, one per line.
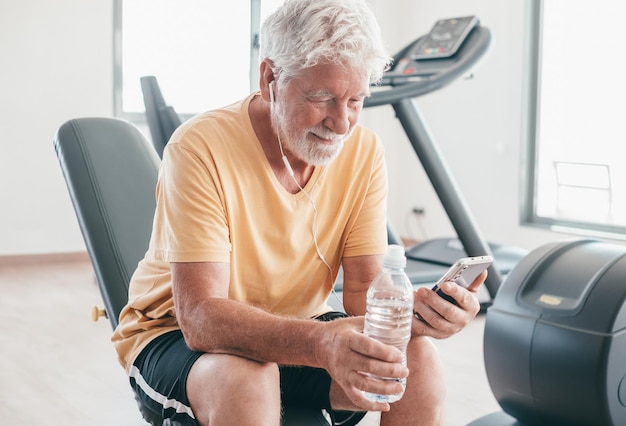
[219, 200]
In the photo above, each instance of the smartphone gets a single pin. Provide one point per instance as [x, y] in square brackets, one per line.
[463, 272]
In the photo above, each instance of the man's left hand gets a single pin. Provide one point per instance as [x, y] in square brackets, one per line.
[436, 317]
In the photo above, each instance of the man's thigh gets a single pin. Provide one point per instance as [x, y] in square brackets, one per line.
[159, 377]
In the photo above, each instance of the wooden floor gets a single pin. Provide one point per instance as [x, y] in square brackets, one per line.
[59, 368]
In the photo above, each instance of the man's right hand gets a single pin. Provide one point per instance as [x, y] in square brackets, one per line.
[350, 357]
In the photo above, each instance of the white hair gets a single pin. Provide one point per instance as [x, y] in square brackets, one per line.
[303, 33]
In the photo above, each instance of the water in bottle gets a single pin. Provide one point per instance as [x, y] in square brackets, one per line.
[390, 311]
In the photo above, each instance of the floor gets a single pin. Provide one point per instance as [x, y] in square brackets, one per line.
[59, 368]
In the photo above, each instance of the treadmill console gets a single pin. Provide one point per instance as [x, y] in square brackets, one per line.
[444, 39]
[431, 53]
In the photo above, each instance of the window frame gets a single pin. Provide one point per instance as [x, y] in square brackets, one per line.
[531, 86]
[118, 80]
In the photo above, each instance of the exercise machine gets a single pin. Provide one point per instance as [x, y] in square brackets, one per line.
[555, 338]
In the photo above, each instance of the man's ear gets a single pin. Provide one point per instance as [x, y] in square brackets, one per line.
[266, 76]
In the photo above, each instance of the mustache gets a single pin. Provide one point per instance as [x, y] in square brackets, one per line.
[325, 133]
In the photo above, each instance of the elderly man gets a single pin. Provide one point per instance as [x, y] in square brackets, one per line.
[258, 206]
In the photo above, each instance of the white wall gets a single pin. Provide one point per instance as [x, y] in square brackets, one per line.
[57, 64]
[57, 58]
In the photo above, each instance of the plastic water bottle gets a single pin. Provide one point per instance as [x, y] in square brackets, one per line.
[390, 311]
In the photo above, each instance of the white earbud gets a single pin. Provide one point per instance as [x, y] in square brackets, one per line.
[288, 167]
[271, 87]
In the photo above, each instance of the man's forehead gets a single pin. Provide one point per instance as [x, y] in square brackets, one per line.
[317, 84]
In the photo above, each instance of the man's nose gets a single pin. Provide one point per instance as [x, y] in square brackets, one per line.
[339, 119]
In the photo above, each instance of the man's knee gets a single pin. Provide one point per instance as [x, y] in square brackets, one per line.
[243, 372]
[424, 399]
[233, 386]
[426, 366]
[422, 349]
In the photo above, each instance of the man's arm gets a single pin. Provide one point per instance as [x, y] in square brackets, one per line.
[212, 323]
[358, 273]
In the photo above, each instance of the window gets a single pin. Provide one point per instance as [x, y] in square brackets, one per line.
[201, 52]
[576, 88]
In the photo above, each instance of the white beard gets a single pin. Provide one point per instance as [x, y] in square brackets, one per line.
[316, 154]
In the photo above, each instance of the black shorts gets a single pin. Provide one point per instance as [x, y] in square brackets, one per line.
[159, 376]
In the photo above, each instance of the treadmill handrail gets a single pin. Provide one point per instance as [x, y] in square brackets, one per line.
[473, 49]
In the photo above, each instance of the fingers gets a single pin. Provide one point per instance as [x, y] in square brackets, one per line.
[430, 322]
[349, 332]
[370, 357]
[466, 299]
[473, 287]
[370, 384]
[438, 318]
[352, 390]
[353, 358]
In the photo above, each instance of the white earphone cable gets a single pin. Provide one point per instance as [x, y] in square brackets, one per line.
[314, 223]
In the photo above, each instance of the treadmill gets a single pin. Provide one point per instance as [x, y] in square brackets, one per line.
[449, 51]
